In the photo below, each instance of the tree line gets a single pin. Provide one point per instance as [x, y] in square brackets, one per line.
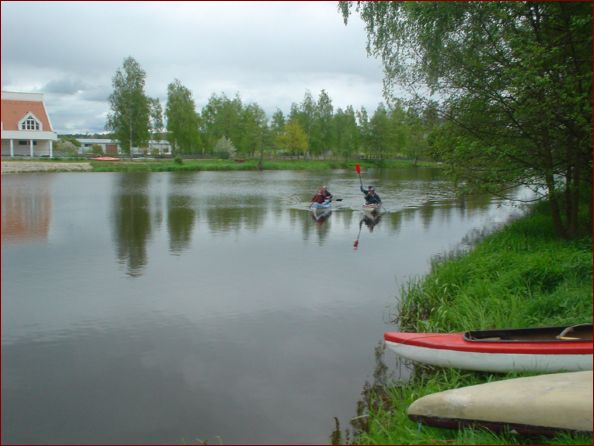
[227, 127]
[515, 82]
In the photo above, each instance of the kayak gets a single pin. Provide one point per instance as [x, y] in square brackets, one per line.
[546, 349]
[536, 405]
[324, 205]
[106, 158]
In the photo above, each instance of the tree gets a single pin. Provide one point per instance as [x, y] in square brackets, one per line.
[182, 119]
[222, 117]
[225, 149]
[254, 126]
[66, 147]
[347, 133]
[293, 139]
[515, 80]
[156, 118]
[277, 125]
[380, 137]
[130, 110]
[365, 130]
[324, 122]
[305, 115]
[402, 126]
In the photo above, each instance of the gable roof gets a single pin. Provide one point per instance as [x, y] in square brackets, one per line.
[15, 106]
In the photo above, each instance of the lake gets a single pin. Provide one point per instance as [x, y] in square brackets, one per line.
[208, 306]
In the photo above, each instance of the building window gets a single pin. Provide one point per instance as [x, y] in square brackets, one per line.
[30, 124]
[26, 143]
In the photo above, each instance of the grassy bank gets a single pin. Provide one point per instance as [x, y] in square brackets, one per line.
[518, 277]
[249, 164]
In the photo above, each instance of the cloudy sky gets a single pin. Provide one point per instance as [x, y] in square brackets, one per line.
[268, 52]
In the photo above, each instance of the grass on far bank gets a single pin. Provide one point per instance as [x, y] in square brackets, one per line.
[194, 165]
[520, 276]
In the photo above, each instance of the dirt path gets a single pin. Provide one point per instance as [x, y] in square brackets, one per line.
[43, 166]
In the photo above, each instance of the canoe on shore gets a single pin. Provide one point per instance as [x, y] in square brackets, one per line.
[105, 158]
[546, 349]
[536, 405]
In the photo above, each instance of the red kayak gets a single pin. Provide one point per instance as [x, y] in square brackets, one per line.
[106, 158]
[547, 349]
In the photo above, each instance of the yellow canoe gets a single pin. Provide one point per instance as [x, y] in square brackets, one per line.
[543, 404]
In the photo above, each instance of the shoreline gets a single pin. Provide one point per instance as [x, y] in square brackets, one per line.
[10, 167]
[195, 165]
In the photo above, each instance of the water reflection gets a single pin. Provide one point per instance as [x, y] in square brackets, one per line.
[265, 312]
[371, 220]
[320, 215]
[222, 219]
[132, 221]
[235, 206]
[181, 215]
[26, 208]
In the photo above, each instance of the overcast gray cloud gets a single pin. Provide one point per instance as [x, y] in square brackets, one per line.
[268, 52]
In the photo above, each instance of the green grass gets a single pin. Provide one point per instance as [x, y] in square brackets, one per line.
[520, 276]
[249, 164]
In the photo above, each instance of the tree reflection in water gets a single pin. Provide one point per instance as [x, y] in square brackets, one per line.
[132, 222]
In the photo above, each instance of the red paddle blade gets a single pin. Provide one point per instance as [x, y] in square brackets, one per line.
[358, 168]
[356, 243]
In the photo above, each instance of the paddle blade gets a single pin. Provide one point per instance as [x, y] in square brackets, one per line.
[358, 168]
[356, 243]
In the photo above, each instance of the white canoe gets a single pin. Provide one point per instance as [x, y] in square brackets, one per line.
[528, 349]
[543, 404]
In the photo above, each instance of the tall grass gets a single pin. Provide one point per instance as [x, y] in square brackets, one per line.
[520, 276]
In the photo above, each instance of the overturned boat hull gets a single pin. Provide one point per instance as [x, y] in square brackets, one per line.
[542, 405]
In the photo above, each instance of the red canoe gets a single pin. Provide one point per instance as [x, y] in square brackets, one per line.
[106, 158]
[547, 349]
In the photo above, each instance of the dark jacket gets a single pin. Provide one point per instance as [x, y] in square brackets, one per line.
[371, 198]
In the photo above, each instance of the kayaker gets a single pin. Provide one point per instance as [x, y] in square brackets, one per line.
[370, 196]
[322, 195]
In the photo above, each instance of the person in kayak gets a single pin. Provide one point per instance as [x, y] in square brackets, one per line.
[370, 196]
[322, 196]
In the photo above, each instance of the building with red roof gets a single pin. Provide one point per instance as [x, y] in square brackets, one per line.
[26, 127]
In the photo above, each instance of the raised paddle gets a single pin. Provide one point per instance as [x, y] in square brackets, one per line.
[358, 169]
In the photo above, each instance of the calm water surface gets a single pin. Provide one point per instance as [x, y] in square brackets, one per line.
[208, 306]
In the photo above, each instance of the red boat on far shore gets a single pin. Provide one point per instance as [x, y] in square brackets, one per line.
[105, 158]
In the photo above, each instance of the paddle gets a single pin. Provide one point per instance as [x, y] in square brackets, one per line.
[358, 169]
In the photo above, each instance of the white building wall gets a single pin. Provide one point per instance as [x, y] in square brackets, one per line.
[40, 147]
